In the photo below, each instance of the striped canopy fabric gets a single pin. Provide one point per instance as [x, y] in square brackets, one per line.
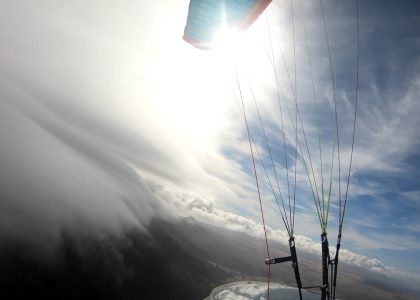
[206, 17]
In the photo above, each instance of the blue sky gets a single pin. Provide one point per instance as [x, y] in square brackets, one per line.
[382, 215]
[91, 89]
[389, 65]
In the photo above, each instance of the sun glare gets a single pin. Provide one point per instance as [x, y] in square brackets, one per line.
[197, 96]
[226, 37]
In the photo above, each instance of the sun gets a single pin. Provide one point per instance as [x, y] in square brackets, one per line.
[195, 96]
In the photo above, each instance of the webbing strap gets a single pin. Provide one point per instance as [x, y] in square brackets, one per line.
[325, 293]
[293, 259]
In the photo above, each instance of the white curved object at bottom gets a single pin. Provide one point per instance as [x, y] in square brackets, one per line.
[257, 290]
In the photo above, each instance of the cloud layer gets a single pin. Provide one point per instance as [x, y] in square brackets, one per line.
[93, 105]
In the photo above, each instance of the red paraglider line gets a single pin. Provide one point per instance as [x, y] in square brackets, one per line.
[258, 186]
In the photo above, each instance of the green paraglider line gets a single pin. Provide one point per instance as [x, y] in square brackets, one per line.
[331, 177]
[351, 154]
[317, 206]
[290, 231]
[296, 112]
[265, 171]
[322, 207]
[335, 105]
[314, 192]
[281, 113]
[315, 100]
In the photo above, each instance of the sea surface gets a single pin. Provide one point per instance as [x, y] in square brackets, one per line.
[257, 290]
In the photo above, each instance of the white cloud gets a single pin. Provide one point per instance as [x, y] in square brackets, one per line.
[205, 210]
[93, 67]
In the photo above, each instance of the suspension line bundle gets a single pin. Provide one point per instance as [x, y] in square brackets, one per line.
[204, 17]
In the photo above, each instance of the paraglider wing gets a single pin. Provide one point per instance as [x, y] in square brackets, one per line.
[207, 17]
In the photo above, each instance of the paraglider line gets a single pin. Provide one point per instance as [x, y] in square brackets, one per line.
[290, 231]
[256, 181]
